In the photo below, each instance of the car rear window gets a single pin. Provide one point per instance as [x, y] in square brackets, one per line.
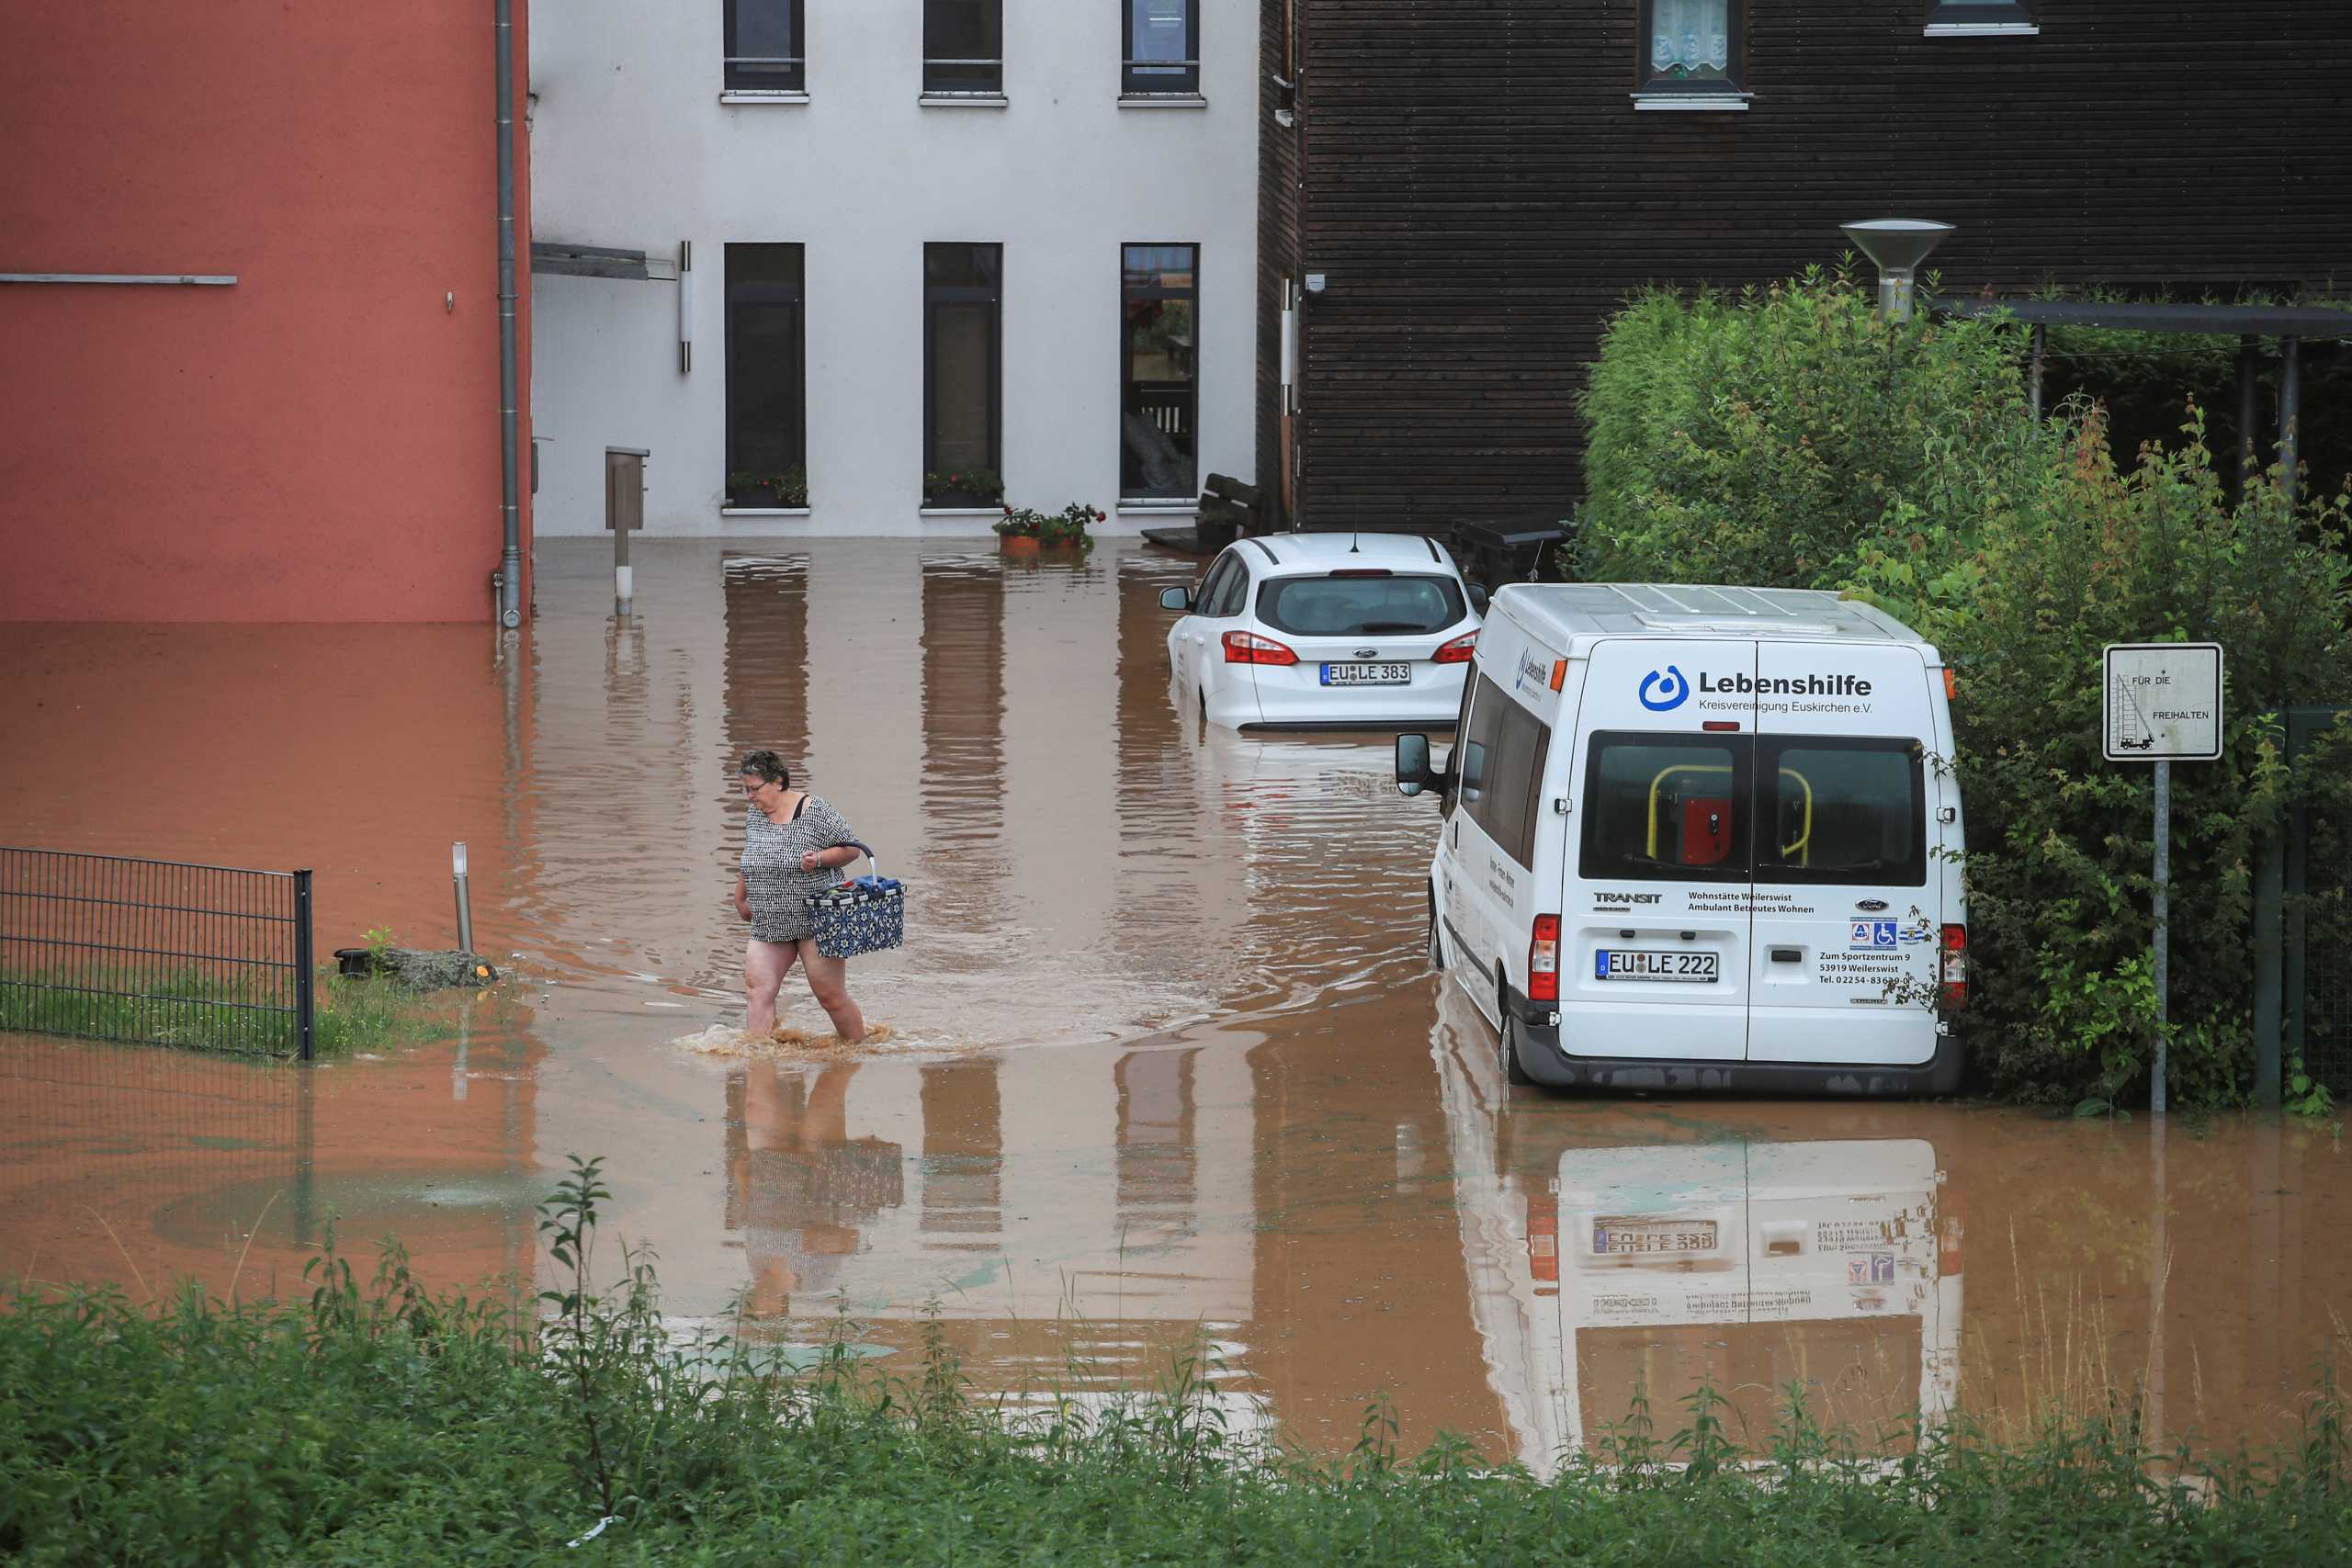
[1667, 808]
[1360, 606]
[1844, 811]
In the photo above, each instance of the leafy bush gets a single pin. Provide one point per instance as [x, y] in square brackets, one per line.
[1793, 439]
[1777, 437]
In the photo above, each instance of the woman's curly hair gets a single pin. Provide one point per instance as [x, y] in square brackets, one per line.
[767, 765]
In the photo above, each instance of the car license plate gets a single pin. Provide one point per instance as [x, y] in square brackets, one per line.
[1633, 964]
[1367, 674]
[1644, 1238]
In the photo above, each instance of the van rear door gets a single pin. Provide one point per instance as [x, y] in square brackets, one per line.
[1842, 967]
[1655, 906]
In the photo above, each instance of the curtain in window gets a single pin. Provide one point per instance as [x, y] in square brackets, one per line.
[1688, 37]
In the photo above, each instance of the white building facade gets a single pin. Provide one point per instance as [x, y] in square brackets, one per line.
[934, 248]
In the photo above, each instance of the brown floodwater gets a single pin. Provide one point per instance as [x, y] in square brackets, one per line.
[1169, 1073]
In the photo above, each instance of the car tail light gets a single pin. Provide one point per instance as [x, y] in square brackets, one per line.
[1951, 1228]
[1955, 968]
[1544, 960]
[1364, 572]
[1249, 647]
[1544, 1239]
[1457, 651]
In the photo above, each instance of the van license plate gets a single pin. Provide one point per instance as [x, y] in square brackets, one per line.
[1639, 1238]
[1367, 674]
[1629, 963]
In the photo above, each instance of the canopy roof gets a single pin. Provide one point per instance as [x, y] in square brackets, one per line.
[2237, 321]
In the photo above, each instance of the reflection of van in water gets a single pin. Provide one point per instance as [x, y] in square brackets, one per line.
[1700, 838]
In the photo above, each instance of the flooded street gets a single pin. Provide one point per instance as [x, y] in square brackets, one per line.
[1168, 1065]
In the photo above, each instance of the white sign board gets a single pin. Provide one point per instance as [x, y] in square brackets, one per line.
[2162, 702]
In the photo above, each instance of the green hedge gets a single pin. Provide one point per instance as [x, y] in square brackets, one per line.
[1792, 438]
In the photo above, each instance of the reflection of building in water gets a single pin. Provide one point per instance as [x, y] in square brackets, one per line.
[145, 1164]
[963, 747]
[963, 1157]
[1159, 1160]
[767, 657]
[1599, 1273]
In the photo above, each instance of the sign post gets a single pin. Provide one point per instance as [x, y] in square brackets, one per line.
[2161, 703]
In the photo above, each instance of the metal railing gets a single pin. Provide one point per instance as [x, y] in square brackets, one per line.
[107, 947]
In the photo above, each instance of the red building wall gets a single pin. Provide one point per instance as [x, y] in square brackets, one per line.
[319, 441]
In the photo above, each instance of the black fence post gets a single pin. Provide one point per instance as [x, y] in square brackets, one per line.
[305, 1005]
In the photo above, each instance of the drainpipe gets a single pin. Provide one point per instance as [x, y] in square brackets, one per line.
[509, 567]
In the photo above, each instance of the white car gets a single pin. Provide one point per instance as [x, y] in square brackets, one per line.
[1326, 631]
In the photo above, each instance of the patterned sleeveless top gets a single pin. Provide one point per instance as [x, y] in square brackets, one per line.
[771, 872]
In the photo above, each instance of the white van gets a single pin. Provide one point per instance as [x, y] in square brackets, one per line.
[1702, 837]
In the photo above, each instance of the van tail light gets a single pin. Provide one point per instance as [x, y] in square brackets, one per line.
[1951, 685]
[1457, 651]
[1544, 1240]
[1544, 960]
[1955, 968]
[1951, 1228]
[1249, 647]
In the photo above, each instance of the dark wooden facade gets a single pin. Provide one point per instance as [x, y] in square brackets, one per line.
[1474, 182]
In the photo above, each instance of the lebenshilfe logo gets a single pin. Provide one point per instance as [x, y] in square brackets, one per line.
[1780, 685]
[1672, 690]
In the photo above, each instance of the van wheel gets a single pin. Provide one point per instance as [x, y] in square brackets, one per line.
[1513, 1073]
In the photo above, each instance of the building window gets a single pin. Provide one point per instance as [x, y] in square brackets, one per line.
[1158, 346]
[767, 436]
[1690, 47]
[764, 52]
[1964, 18]
[963, 45]
[963, 361]
[1162, 40]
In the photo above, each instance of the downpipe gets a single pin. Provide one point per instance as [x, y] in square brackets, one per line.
[509, 576]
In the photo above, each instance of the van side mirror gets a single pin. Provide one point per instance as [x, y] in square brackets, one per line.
[1176, 599]
[1414, 774]
[1477, 591]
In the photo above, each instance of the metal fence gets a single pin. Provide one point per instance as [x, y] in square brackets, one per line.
[156, 951]
[2319, 924]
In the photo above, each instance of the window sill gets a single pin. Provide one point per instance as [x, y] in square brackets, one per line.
[1695, 103]
[763, 512]
[1162, 101]
[962, 511]
[962, 100]
[1983, 29]
[757, 95]
[1159, 508]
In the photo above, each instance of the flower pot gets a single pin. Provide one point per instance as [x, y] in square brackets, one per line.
[756, 497]
[1018, 547]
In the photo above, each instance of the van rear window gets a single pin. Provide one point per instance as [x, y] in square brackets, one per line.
[1360, 606]
[1768, 809]
[1668, 808]
[1843, 811]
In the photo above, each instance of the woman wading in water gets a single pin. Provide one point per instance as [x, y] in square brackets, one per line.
[794, 843]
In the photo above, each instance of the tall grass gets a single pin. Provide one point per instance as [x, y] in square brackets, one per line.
[227, 1013]
[380, 1423]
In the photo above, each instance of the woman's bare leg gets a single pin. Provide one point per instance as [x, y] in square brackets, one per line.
[766, 964]
[829, 983]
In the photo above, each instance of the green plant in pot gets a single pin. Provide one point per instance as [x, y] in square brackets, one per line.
[749, 487]
[1069, 527]
[963, 487]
